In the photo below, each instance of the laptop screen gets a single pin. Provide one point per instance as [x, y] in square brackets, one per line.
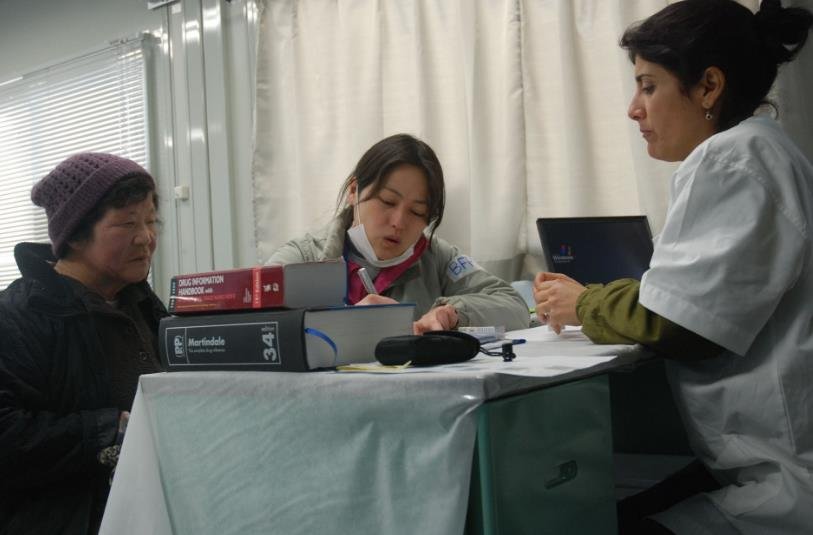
[596, 249]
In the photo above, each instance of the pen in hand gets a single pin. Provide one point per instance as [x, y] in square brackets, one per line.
[367, 281]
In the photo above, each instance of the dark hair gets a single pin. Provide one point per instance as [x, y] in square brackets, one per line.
[382, 158]
[127, 191]
[689, 36]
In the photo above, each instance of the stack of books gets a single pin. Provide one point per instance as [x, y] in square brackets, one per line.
[277, 318]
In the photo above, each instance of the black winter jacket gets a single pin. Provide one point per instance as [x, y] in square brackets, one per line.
[56, 412]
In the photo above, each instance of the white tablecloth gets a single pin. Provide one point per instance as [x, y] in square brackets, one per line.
[321, 452]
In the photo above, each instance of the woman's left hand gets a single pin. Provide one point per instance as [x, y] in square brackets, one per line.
[440, 318]
[556, 296]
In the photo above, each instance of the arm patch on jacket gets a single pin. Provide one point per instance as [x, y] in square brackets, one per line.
[461, 266]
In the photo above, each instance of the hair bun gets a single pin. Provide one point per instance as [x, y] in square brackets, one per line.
[782, 30]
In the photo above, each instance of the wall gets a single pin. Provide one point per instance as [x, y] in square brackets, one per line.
[37, 34]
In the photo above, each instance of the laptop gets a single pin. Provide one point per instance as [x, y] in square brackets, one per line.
[596, 249]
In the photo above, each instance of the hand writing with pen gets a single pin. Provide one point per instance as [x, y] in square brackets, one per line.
[439, 318]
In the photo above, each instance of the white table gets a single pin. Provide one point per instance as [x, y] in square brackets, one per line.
[320, 452]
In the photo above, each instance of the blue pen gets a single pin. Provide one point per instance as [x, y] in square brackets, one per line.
[498, 343]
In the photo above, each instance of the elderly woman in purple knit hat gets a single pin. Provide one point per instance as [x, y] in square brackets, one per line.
[76, 331]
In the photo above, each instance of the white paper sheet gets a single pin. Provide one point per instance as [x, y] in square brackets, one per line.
[543, 354]
[525, 365]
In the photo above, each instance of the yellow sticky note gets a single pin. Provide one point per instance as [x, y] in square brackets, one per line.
[373, 367]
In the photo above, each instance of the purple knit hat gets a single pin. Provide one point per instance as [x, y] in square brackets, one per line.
[72, 189]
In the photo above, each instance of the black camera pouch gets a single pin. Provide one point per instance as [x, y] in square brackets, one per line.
[428, 349]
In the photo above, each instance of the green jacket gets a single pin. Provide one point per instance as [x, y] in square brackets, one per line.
[611, 314]
[442, 275]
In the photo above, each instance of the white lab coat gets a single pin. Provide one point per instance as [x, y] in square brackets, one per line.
[733, 264]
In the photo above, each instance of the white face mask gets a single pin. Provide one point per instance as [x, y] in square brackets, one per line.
[358, 236]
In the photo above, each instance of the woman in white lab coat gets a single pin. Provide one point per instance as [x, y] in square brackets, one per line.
[727, 296]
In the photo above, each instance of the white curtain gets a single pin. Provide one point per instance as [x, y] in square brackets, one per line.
[523, 100]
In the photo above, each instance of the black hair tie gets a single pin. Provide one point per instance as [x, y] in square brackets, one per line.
[770, 6]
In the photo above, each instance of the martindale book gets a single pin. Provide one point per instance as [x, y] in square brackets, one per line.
[294, 340]
[302, 285]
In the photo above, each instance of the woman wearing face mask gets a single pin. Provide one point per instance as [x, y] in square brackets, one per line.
[727, 295]
[394, 195]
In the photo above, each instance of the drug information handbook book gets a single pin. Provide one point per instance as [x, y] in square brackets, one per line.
[302, 285]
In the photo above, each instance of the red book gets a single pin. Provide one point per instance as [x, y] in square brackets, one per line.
[308, 284]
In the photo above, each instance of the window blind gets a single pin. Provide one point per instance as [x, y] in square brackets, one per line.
[93, 103]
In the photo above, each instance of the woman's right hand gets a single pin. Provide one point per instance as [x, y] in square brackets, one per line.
[373, 299]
